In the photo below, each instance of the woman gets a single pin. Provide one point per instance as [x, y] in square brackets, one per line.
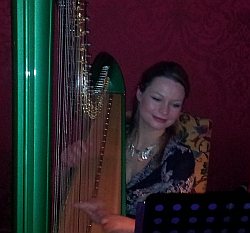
[156, 160]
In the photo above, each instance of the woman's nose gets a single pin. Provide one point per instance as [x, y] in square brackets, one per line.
[164, 109]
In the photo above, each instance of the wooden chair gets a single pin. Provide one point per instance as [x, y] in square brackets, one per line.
[196, 133]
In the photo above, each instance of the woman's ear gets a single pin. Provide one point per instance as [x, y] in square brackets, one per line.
[138, 94]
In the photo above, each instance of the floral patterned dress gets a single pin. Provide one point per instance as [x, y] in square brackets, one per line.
[173, 174]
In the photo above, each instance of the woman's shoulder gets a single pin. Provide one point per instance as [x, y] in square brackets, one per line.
[180, 158]
[175, 143]
[177, 151]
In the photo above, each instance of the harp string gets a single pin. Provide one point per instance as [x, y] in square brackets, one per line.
[78, 103]
[56, 198]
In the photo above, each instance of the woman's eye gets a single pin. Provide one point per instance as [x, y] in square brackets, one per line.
[155, 98]
[176, 105]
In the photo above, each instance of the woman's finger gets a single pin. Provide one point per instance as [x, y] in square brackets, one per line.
[94, 209]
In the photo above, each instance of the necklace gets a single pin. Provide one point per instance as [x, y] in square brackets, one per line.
[141, 154]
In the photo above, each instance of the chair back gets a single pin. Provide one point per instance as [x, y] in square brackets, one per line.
[196, 133]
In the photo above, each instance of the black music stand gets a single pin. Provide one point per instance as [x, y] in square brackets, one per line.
[218, 212]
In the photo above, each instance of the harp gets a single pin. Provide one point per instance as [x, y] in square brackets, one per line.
[44, 198]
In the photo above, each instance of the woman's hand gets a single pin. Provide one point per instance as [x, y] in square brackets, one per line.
[95, 209]
[111, 223]
[72, 155]
[118, 224]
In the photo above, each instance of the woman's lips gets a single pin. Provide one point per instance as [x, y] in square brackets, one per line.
[159, 119]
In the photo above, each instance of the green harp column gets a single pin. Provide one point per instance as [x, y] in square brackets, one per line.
[32, 44]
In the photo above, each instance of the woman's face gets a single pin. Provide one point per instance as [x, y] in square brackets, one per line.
[160, 104]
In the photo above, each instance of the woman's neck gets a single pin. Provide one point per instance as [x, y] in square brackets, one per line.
[145, 137]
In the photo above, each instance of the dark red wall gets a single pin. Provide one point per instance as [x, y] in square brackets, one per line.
[5, 116]
[211, 39]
